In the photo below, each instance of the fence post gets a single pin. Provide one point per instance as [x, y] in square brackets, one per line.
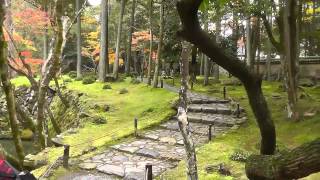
[148, 172]
[66, 154]
[135, 127]
[238, 110]
[210, 133]
[224, 92]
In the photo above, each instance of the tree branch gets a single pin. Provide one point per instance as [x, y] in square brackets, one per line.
[268, 28]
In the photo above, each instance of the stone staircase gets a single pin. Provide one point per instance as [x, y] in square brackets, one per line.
[163, 146]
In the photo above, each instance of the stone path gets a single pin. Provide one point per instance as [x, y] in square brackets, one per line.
[163, 146]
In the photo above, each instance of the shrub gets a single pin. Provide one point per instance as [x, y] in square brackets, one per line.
[123, 91]
[135, 81]
[67, 80]
[89, 80]
[79, 79]
[107, 86]
[239, 155]
[72, 74]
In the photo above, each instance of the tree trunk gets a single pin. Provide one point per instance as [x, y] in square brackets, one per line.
[132, 24]
[116, 61]
[216, 71]
[201, 63]
[26, 118]
[104, 56]
[192, 170]
[8, 90]
[248, 41]
[268, 71]
[192, 32]
[295, 164]
[50, 70]
[157, 63]
[206, 63]
[54, 123]
[151, 41]
[290, 26]
[79, 60]
[193, 77]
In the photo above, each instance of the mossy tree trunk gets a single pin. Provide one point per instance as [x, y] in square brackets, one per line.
[151, 40]
[104, 58]
[131, 30]
[8, 90]
[79, 58]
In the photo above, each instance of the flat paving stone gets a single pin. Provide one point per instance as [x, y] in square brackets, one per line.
[153, 149]
[215, 119]
[196, 128]
[210, 108]
[172, 137]
[129, 166]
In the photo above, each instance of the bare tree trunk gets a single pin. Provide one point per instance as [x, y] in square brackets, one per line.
[206, 63]
[116, 61]
[216, 72]
[268, 71]
[157, 63]
[151, 41]
[79, 60]
[132, 24]
[290, 20]
[8, 90]
[193, 77]
[201, 64]
[192, 170]
[104, 56]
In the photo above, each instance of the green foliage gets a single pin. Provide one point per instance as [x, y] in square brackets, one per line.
[123, 91]
[89, 80]
[72, 74]
[107, 86]
[239, 155]
[135, 81]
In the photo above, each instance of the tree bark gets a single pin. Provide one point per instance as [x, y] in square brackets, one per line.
[295, 164]
[104, 56]
[131, 30]
[193, 77]
[9, 91]
[191, 31]
[116, 61]
[51, 69]
[206, 63]
[192, 170]
[157, 63]
[216, 69]
[79, 60]
[151, 41]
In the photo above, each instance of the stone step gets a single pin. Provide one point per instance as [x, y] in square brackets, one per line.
[215, 119]
[214, 108]
[202, 99]
[125, 165]
[196, 128]
[153, 149]
[172, 137]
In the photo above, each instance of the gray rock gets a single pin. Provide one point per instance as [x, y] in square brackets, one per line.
[148, 153]
[112, 170]
[88, 166]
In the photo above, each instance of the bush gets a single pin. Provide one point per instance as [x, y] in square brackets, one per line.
[239, 155]
[72, 74]
[68, 80]
[135, 81]
[89, 80]
[107, 86]
[123, 91]
[78, 79]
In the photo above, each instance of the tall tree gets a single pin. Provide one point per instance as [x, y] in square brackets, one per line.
[9, 90]
[192, 170]
[206, 63]
[157, 63]
[79, 60]
[104, 58]
[151, 40]
[116, 61]
[131, 30]
[45, 35]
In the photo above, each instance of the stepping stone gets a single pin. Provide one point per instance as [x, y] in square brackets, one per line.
[130, 167]
[215, 119]
[153, 149]
[196, 128]
[210, 108]
[202, 99]
[172, 137]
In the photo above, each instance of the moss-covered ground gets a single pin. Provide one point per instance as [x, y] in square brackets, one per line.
[289, 134]
[150, 106]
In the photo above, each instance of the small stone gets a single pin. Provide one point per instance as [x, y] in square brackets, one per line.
[99, 120]
[88, 166]
[148, 153]
[83, 115]
[112, 170]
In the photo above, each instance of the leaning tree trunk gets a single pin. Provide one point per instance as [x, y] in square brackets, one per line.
[290, 26]
[192, 32]
[131, 30]
[151, 41]
[116, 61]
[192, 170]
[9, 91]
[79, 60]
[50, 70]
[104, 57]
[157, 63]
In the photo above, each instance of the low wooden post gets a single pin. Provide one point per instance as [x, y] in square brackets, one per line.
[210, 133]
[238, 110]
[224, 92]
[161, 82]
[135, 127]
[66, 154]
[148, 172]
